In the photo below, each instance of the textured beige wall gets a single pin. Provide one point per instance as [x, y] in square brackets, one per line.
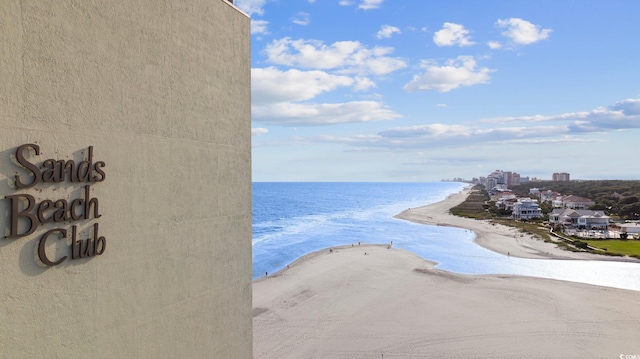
[161, 90]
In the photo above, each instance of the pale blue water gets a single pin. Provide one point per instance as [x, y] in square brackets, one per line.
[293, 219]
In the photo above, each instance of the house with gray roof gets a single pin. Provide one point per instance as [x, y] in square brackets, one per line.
[579, 218]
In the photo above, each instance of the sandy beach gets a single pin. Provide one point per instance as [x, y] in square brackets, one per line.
[374, 301]
[498, 238]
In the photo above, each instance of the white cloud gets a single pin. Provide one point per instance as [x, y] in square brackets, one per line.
[572, 128]
[259, 27]
[278, 99]
[622, 115]
[259, 131]
[386, 31]
[251, 7]
[370, 4]
[569, 128]
[522, 32]
[630, 107]
[461, 71]
[343, 56]
[294, 114]
[442, 105]
[302, 19]
[363, 83]
[450, 136]
[436, 129]
[452, 34]
[494, 45]
[270, 85]
[364, 4]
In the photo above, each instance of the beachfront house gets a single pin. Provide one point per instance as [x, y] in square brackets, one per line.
[579, 219]
[526, 208]
[575, 202]
[550, 196]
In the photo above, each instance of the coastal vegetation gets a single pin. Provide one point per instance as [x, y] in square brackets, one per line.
[617, 198]
[478, 206]
[475, 206]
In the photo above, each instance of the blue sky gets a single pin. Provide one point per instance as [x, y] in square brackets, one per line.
[381, 90]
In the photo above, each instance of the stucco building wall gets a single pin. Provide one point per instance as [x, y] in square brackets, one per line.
[161, 91]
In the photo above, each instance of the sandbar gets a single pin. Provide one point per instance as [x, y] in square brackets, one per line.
[390, 303]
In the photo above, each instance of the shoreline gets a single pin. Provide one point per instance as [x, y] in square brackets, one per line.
[310, 256]
[493, 236]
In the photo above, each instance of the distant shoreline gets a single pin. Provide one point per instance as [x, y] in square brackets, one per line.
[495, 237]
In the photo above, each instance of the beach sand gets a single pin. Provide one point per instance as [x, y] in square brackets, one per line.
[344, 303]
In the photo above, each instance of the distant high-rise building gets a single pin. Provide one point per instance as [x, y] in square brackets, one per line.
[563, 176]
[507, 177]
[515, 180]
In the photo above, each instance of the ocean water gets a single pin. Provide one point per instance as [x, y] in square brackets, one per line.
[294, 219]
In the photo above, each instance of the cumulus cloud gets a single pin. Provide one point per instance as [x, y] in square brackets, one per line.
[259, 27]
[271, 85]
[621, 115]
[522, 32]
[363, 83]
[630, 107]
[280, 97]
[302, 19]
[370, 4]
[302, 114]
[452, 34]
[462, 71]
[343, 56]
[302, 70]
[386, 31]
[364, 4]
[251, 7]
[258, 131]
[494, 45]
